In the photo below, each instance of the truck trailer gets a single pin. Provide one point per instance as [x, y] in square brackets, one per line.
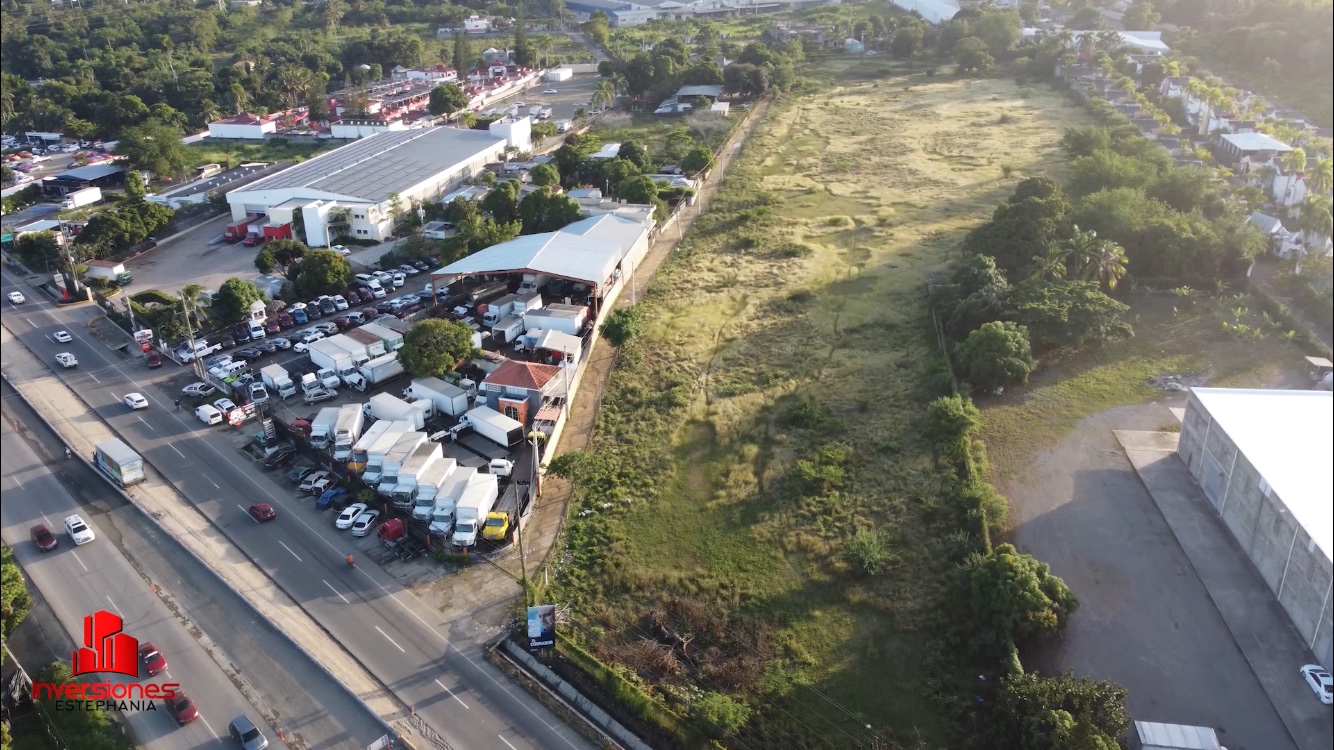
[472, 508]
[80, 198]
[372, 344]
[494, 426]
[381, 370]
[347, 430]
[507, 331]
[448, 399]
[322, 427]
[375, 462]
[391, 407]
[277, 380]
[237, 231]
[557, 317]
[119, 462]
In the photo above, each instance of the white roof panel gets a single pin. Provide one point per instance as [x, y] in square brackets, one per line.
[1288, 436]
[587, 250]
[1255, 142]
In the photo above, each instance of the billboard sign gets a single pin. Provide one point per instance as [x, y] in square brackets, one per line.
[541, 627]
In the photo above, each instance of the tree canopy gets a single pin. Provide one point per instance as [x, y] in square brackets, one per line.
[545, 211]
[321, 272]
[995, 355]
[1014, 596]
[447, 99]
[232, 302]
[434, 347]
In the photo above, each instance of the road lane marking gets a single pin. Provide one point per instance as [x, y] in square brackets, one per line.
[247, 513]
[80, 561]
[209, 726]
[507, 743]
[210, 481]
[113, 606]
[178, 452]
[149, 426]
[289, 549]
[94, 377]
[340, 596]
[451, 695]
[391, 640]
[29, 322]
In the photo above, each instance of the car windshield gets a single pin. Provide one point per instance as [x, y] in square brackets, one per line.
[180, 703]
[44, 535]
[495, 522]
[78, 528]
[249, 734]
[150, 655]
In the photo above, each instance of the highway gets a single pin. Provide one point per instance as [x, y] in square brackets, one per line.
[95, 576]
[281, 682]
[430, 664]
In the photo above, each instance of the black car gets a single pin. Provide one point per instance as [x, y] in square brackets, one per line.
[385, 307]
[421, 265]
[327, 306]
[226, 342]
[241, 333]
[313, 310]
[280, 457]
[267, 346]
[249, 354]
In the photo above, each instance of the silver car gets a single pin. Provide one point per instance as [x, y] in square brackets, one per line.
[244, 731]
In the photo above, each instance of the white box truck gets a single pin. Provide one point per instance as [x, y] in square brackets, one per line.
[368, 437]
[119, 462]
[428, 487]
[277, 380]
[508, 330]
[422, 459]
[389, 406]
[470, 511]
[322, 427]
[533, 282]
[379, 370]
[347, 430]
[446, 498]
[448, 399]
[558, 317]
[380, 444]
[326, 354]
[372, 344]
[375, 462]
[510, 304]
[494, 426]
[80, 198]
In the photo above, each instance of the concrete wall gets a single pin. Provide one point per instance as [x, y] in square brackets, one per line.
[1297, 571]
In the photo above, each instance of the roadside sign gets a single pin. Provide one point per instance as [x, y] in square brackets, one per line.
[270, 432]
[236, 418]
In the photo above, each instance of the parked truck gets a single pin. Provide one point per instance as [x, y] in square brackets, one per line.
[237, 231]
[372, 344]
[254, 235]
[277, 380]
[381, 370]
[80, 198]
[446, 499]
[494, 426]
[508, 330]
[119, 462]
[347, 430]
[558, 317]
[322, 427]
[510, 304]
[391, 339]
[391, 407]
[375, 462]
[487, 292]
[429, 482]
[326, 354]
[356, 349]
[472, 508]
[533, 282]
[421, 460]
[108, 270]
[448, 399]
[377, 441]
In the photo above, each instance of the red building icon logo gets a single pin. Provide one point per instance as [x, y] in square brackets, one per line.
[106, 647]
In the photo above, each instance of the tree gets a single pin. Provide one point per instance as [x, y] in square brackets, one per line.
[596, 28]
[1292, 162]
[264, 260]
[1032, 710]
[622, 325]
[463, 54]
[478, 233]
[39, 251]
[232, 302]
[461, 209]
[1014, 596]
[502, 203]
[321, 272]
[1088, 17]
[971, 55]
[1022, 228]
[545, 211]
[948, 429]
[286, 253]
[746, 80]
[15, 601]
[447, 99]
[525, 52]
[996, 355]
[544, 175]
[93, 729]
[134, 186]
[756, 54]
[434, 347]
[696, 161]
[1065, 313]
[635, 154]
[639, 189]
[907, 40]
[157, 147]
[1141, 16]
[705, 73]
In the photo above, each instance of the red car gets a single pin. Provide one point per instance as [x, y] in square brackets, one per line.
[352, 297]
[43, 538]
[263, 512]
[154, 359]
[153, 659]
[343, 323]
[371, 313]
[272, 327]
[182, 709]
[285, 321]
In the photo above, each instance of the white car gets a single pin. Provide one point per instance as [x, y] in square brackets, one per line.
[1320, 681]
[67, 360]
[135, 401]
[399, 280]
[349, 515]
[365, 523]
[198, 390]
[17, 298]
[384, 277]
[549, 91]
[340, 302]
[343, 251]
[78, 530]
[306, 341]
[379, 293]
[62, 337]
[408, 270]
[225, 405]
[313, 479]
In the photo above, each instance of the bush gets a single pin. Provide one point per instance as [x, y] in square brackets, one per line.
[806, 414]
[996, 355]
[622, 326]
[869, 552]
[723, 713]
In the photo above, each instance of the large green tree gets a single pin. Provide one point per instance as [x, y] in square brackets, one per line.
[1036, 216]
[546, 211]
[232, 302]
[286, 254]
[1014, 596]
[502, 203]
[996, 355]
[321, 272]
[1034, 712]
[447, 99]
[544, 175]
[696, 161]
[155, 146]
[434, 347]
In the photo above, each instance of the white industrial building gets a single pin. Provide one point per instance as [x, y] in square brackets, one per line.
[599, 251]
[244, 126]
[1265, 460]
[351, 191]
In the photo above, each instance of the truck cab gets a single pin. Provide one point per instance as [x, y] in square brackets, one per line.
[497, 526]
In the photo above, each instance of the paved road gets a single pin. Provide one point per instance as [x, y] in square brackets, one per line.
[431, 664]
[280, 681]
[78, 582]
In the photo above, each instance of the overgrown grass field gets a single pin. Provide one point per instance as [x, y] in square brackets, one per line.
[768, 411]
[209, 151]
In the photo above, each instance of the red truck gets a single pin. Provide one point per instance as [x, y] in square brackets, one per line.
[235, 232]
[254, 236]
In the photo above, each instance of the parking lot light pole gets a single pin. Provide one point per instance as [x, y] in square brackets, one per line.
[534, 436]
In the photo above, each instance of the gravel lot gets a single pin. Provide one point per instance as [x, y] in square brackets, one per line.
[193, 259]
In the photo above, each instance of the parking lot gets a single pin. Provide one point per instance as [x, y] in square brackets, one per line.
[197, 257]
[570, 95]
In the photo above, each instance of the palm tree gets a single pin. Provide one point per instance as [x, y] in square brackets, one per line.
[292, 80]
[239, 97]
[1321, 179]
[1081, 249]
[1199, 91]
[1086, 42]
[190, 294]
[1051, 265]
[466, 118]
[1108, 39]
[603, 93]
[1293, 162]
[1108, 266]
[1316, 220]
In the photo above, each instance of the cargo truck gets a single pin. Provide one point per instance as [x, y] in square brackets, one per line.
[347, 430]
[277, 380]
[391, 339]
[533, 282]
[557, 317]
[487, 292]
[121, 464]
[326, 354]
[322, 427]
[377, 441]
[429, 482]
[355, 349]
[237, 231]
[80, 198]
[447, 497]
[108, 270]
[372, 344]
[448, 399]
[508, 330]
[472, 508]
[381, 370]
[389, 406]
[510, 304]
[375, 462]
[494, 426]
[422, 459]
[254, 235]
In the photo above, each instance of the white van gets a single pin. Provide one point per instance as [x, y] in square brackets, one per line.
[369, 280]
[256, 329]
[208, 414]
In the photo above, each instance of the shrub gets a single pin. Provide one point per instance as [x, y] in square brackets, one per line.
[996, 355]
[806, 414]
[869, 552]
[622, 326]
[722, 712]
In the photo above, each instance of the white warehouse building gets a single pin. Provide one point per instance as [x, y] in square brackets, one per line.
[350, 191]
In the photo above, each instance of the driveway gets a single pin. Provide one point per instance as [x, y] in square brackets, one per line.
[193, 258]
[1145, 619]
[570, 95]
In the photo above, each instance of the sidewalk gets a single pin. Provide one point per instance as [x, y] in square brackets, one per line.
[1257, 622]
[81, 429]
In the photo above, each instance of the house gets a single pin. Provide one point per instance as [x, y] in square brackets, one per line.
[1281, 242]
[436, 74]
[1147, 42]
[244, 126]
[592, 203]
[476, 25]
[608, 151]
[1247, 151]
[519, 389]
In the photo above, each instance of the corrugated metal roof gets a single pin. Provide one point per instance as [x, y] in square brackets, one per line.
[587, 250]
[1155, 736]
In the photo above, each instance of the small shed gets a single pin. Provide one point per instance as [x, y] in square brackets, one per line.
[1151, 735]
